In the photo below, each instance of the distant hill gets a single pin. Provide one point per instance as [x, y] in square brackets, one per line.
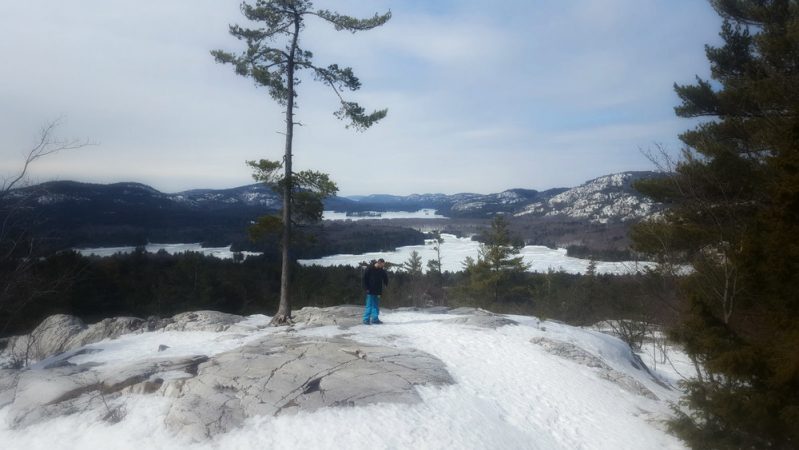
[73, 213]
[607, 199]
[132, 213]
[610, 198]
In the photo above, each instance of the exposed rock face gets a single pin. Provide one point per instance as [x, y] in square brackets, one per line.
[580, 356]
[203, 321]
[287, 374]
[60, 333]
[63, 388]
[281, 373]
[105, 329]
[480, 318]
[50, 337]
[344, 316]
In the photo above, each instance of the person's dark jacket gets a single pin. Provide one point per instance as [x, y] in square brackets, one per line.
[373, 280]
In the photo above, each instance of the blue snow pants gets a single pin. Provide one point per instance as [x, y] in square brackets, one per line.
[372, 308]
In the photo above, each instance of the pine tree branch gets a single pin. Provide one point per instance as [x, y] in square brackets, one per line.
[351, 24]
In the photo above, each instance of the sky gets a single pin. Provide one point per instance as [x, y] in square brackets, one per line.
[482, 96]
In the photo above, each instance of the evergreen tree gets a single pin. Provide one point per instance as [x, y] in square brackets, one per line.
[413, 265]
[308, 190]
[491, 276]
[274, 58]
[734, 217]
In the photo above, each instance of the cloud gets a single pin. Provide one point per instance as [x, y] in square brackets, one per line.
[482, 95]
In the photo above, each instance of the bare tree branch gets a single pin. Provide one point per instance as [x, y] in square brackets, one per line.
[46, 144]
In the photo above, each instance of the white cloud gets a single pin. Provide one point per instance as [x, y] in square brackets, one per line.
[482, 96]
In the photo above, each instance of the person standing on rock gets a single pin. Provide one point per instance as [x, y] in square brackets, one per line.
[374, 278]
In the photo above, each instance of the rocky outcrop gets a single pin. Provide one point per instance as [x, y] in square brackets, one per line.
[480, 318]
[344, 316]
[580, 356]
[286, 374]
[63, 388]
[110, 328]
[60, 333]
[214, 321]
[52, 336]
[281, 373]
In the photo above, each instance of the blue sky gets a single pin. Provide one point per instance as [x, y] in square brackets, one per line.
[482, 96]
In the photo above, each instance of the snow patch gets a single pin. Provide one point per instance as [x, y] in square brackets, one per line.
[375, 215]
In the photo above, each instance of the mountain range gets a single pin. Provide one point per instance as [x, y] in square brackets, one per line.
[76, 213]
[609, 198]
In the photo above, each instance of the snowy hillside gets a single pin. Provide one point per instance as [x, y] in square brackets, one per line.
[511, 382]
[603, 199]
[610, 198]
[251, 195]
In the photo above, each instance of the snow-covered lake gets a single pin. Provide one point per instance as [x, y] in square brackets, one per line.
[172, 249]
[509, 393]
[374, 215]
[454, 251]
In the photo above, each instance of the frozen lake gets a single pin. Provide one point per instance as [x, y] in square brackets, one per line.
[454, 251]
[375, 215]
[172, 249]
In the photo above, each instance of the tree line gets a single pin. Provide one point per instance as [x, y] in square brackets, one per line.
[144, 284]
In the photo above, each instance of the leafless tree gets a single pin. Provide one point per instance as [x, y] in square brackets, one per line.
[18, 245]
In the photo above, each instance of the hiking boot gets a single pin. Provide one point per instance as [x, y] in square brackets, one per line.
[377, 322]
[366, 322]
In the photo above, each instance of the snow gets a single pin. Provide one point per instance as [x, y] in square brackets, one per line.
[598, 200]
[172, 249]
[454, 251]
[509, 394]
[375, 215]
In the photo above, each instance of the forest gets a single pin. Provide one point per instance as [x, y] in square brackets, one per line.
[142, 285]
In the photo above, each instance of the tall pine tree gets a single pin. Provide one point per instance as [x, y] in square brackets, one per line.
[273, 58]
[734, 217]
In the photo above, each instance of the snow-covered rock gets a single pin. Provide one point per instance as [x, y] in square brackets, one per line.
[105, 329]
[287, 374]
[343, 316]
[61, 388]
[480, 318]
[426, 380]
[214, 321]
[61, 333]
[575, 353]
[52, 336]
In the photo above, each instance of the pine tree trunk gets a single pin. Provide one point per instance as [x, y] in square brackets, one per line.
[283, 315]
